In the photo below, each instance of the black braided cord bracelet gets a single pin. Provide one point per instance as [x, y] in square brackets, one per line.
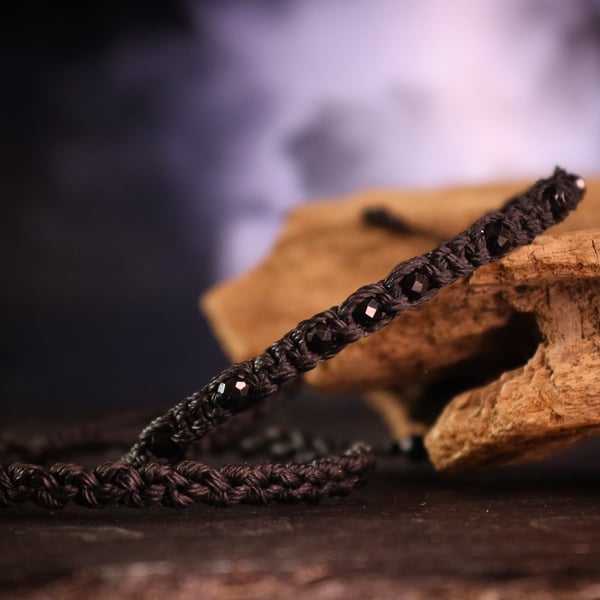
[154, 470]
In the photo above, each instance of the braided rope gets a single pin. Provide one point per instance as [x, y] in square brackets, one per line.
[179, 485]
[145, 477]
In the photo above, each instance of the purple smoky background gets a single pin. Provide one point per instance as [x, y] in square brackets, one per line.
[151, 149]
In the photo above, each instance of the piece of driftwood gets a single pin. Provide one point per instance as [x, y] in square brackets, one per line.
[512, 351]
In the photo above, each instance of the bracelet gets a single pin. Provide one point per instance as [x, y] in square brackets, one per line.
[153, 471]
[409, 285]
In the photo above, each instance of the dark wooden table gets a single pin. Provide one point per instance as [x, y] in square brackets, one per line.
[527, 532]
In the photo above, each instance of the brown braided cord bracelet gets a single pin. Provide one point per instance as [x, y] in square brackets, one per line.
[154, 472]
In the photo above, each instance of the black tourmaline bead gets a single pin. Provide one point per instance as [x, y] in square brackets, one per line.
[161, 444]
[414, 285]
[319, 338]
[233, 393]
[557, 201]
[367, 313]
[411, 447]
[498, 238]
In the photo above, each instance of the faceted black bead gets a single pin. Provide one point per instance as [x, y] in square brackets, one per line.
[368, 312]
[320, 338]
[415, 285]
[557, 201]
[234, 393]
[498, 238]
[161, 444]
[578, 182]
[411, 447]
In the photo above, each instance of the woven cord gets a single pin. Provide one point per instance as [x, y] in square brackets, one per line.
[154, 471]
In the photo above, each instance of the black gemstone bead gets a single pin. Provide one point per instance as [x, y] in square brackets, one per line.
[320, 338]
[415, 285]
[368, 312]
[557, 201]
[161, 444]
[498, 238]
[411, 447]
[578, 182]
[234, 393]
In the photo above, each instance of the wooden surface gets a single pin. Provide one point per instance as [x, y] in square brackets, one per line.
[531, 532]
[552, 400]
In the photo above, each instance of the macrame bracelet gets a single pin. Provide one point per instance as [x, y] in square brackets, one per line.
[153, 470]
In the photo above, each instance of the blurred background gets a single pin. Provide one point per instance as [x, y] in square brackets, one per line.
[152, 148]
